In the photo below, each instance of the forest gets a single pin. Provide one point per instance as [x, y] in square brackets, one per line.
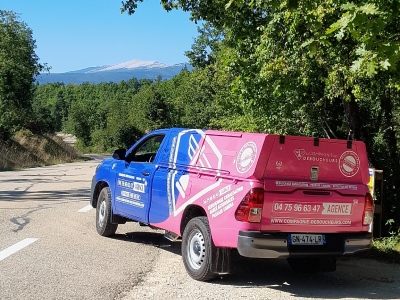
[326, 69]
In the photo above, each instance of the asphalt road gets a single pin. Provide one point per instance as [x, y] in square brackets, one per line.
[49, 249]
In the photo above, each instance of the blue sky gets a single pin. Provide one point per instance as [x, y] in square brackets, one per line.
[76, 34]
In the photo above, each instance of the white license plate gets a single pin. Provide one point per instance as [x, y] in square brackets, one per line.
[307, 239]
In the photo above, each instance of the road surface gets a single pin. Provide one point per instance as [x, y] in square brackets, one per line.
[49, 249]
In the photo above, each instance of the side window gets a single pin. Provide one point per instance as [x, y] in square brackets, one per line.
[147, 150]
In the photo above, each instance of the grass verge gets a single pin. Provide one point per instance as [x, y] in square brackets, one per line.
[26, 150]
[386, 249]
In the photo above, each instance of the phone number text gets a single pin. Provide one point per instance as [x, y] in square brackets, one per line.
[296, 207]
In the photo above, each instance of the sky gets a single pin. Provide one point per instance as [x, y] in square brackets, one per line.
[76, 34]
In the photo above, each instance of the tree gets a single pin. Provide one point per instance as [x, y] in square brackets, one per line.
[149, 109]
[205, 47]
[18, 67]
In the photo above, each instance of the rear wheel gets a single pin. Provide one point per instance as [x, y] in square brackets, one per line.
[104, 226]
[197, 249]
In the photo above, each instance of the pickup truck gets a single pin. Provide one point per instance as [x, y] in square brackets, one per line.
[304, 199]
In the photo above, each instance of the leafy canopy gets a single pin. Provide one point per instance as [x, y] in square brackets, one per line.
[18, 67]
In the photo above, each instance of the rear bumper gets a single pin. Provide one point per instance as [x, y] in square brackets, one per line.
[275, 245]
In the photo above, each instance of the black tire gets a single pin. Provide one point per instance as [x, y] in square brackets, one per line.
[197, 249]
[104, 226]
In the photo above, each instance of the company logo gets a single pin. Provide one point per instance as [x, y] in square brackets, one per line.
[315, 156]
[279, 164]
[246, 157]
[299, 153]
[349, 163]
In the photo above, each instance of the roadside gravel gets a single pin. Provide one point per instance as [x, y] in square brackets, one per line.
[355, 278]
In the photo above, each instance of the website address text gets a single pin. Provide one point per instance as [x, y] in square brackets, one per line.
[326, 222]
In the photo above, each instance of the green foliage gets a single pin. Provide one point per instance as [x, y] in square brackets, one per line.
[205, 47]
[52, 98]
[192, 97]
[107, 116]
[389, 245]
[150, 108]
[370, 25]
[18, 66]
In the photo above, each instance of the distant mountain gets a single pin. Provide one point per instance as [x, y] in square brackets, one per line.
[116, 73]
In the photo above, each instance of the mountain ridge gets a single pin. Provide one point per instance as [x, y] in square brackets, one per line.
[116, 73]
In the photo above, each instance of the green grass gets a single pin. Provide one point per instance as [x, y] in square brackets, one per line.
[386, 249]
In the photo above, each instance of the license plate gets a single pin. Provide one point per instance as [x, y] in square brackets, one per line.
[306, 239]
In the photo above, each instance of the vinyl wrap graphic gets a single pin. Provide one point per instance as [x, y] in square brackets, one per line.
[246, 157]
[349, 163]
[194, 152]
[215, 170]
[201, 154]
[188, 149]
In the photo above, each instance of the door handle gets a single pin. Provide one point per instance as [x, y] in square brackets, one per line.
[145, 173]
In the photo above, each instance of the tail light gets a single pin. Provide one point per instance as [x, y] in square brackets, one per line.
[368, 210]
[250, 209]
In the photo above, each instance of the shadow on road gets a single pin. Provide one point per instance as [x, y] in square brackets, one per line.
[154, 238]
[355, 278]
[47, 196]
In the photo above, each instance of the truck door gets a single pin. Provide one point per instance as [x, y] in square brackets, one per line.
[134, 183]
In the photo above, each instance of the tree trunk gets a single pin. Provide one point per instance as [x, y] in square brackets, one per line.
[356, 128]
[392, 164]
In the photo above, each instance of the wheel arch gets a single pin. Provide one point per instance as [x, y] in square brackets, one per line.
[190, 212]
[99, 186]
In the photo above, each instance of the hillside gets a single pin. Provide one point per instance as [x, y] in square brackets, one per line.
[26, 150]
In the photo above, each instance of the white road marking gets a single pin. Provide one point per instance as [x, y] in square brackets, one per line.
[16, 247]
[86, 208]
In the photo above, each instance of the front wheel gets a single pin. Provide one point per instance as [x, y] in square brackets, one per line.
[197, 249]
[104, 226]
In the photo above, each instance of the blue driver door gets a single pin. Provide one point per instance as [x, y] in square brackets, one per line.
[133, 186]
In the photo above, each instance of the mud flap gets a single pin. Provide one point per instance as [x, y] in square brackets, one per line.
[116, 219]
[221, 260]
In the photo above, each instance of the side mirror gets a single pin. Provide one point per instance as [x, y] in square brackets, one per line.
[119, 154]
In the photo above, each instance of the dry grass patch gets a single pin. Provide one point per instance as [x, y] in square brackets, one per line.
[26, 150]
